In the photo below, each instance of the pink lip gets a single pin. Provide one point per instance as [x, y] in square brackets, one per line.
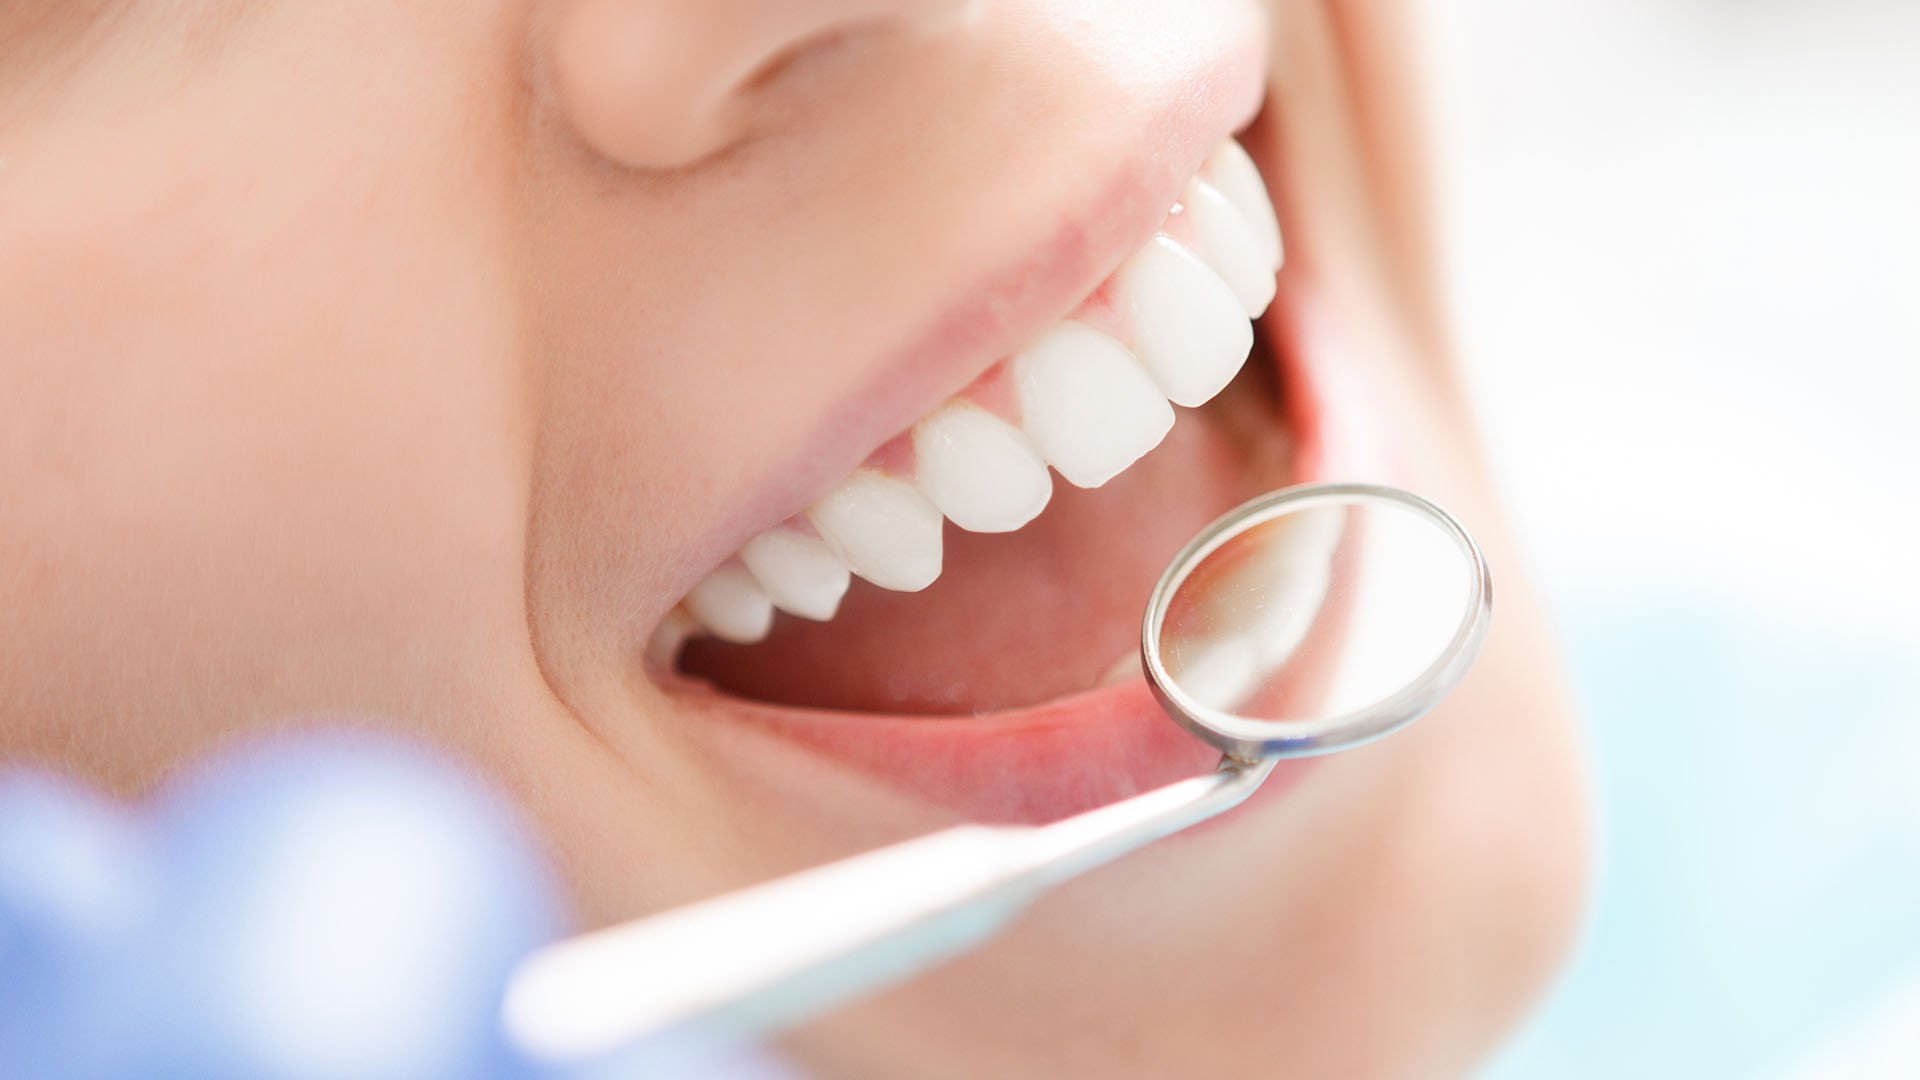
[1089, 749]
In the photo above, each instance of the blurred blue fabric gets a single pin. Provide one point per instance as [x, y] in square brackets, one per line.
[312, 907]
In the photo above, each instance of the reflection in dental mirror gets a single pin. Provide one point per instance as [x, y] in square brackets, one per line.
[1311, 620]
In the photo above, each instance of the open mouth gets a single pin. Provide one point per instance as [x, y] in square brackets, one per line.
[988, 565]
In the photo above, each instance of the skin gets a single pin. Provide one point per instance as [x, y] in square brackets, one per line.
[402, 364]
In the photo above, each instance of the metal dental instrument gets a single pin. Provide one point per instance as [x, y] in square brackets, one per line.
[1307, 621]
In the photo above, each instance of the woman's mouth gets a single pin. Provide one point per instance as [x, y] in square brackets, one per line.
[952, 588]
[1089, 396]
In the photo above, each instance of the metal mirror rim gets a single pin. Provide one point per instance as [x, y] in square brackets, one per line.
[1247, 739]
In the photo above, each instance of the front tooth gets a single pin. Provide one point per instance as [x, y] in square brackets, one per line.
[884, 529]
[1226, 241]
[1238, 178]
[731, 605]
[1188, 328]
[979, 470]
[799, 572]
[1086, 404]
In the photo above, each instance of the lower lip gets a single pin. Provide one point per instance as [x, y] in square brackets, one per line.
[1090, 749]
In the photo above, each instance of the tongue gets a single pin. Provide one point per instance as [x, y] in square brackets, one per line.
[1019, 618]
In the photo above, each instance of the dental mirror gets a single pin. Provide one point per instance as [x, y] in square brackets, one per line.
[1307, 621]
[1315, 619]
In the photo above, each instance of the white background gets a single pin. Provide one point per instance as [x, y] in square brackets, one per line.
[1685, 245]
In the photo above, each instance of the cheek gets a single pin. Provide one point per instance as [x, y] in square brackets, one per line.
[280, 458]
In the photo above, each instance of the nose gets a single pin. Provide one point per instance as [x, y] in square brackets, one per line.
[654, 84]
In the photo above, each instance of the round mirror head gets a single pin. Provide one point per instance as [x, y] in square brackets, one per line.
[1314, 619]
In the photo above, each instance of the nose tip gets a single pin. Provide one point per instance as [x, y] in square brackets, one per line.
[657, 84]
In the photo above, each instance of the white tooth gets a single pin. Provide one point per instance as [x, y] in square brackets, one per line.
[884, 529]
[1086, 403]
[730, 604]
[1188, 328]
[1224, 238]
[1238, 178]
[979, 470]
[799, 572]
[663, 648]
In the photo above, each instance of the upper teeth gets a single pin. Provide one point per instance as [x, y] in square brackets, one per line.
[1188, 328]
[1087, 404]
[981, 471]
[1230, 170]
[799, 572]
[1090, 404]
[884, 528]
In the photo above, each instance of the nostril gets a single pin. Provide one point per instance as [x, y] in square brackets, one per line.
[661, 86]
[835, 21]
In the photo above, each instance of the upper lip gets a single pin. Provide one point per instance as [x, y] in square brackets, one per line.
[996, 314]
